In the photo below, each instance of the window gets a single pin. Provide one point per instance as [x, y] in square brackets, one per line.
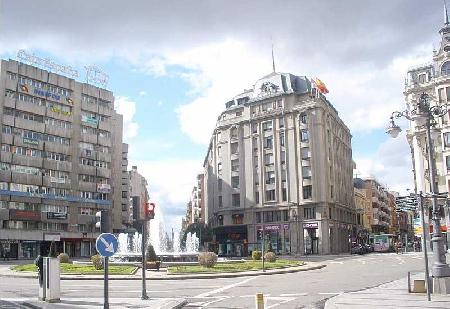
[309, 212]
[255, 144]
[304, 135]
[254, 128]
[257, 197]
[283, 195]
[86, 211]
[219, 136]
[235, 165]
[307, 192]
[285, 215]
[235, 200]
[283, 175]
[270, 195]
[235, 182]
[234, 148]
[447, 139]
[256, 161]
[268, 159]
[238, 113]
[258, 217]
[306, 172]
[441, 95]
[237, 218]
[270, 177]
[267, 126]
[219, 184]
[422, 78]
[268, 142]
[234, 132]
[283, 157]
[445, 69]
[281, 122]
[303, 118]
[219, 151]
[306, 153]
[3, 186]
[331, 191]
[281, 138]
[219, 167]
[220, 202]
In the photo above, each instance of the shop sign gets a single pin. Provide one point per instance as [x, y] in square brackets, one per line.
[311, 225]
[285, 226]
[47, 94]
[103, 188]
[269, 227]
[24, 215]
[52, 237]
[56, 215]
[89, 120]
[30, 141]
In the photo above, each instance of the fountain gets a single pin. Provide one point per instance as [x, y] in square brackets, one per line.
[167, 250]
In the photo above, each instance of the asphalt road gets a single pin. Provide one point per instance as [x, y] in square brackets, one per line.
[296, 290]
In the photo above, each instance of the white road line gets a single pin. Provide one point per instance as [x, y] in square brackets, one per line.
[283, 301]
[224, 288]
[330, 293]
[295, 294]
[336, 262]
[253, 295]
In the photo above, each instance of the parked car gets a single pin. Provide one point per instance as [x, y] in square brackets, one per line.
[357, 249]
[368, 248]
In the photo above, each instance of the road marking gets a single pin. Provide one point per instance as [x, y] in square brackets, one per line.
[295, 294]
[330, 293]
[336, 262]
[224, 288]
[283, 301]
[253, 295]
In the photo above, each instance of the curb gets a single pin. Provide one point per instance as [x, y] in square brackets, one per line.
[184, 277]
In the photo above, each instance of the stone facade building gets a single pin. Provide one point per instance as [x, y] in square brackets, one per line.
[60, 161]
[280, 164]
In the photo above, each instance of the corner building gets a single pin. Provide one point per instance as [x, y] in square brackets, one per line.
[60, 162]
[280, 161]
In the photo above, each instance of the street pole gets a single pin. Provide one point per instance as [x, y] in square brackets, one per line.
[424, 245]
[144, 290]
[440, 267]
[105, 284]
[263, 245]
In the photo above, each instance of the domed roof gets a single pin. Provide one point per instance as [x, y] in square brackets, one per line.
[358, 183]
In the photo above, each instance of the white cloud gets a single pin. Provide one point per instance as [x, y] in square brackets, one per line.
[127, 108]
[390, 164]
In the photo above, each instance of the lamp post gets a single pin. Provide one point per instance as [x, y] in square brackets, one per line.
[425, 116]
[295, 216]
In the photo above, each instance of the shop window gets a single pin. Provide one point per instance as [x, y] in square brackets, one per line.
[285, 215]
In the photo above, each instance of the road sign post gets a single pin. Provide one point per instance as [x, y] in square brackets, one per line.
[106, 246]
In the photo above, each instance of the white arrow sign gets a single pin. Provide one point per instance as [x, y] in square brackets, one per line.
[109, 247]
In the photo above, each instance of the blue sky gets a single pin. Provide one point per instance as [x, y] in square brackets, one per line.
[172, 66]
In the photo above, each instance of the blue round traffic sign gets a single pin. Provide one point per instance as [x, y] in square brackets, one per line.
[106, 244]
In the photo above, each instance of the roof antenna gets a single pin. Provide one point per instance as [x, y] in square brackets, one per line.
[445, 14]
[273, 60]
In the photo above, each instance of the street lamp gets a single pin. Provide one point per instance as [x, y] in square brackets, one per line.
[425, 116]
[295, 216]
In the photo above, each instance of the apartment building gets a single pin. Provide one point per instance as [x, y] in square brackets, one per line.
[60, 161]
[381, 212]
[138, 195]
[279, 164]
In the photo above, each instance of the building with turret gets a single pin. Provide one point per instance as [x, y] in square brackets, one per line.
[279, 166]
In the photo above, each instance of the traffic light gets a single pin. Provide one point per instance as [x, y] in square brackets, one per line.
[102, 221]
[149, 211]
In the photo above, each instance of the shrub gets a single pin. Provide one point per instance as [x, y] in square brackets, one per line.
[150, 254]
[270, 257]
[97, 261]
[207, 259]
[63, 258]
[256, 255]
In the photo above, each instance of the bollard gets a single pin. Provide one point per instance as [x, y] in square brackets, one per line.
[259, 301]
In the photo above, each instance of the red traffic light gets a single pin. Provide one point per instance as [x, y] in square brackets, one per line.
[149, 211]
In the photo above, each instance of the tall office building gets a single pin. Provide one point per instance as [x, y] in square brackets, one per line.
[280, 164]
[60, 161]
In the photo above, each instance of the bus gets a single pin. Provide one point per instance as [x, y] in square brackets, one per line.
[383, 242]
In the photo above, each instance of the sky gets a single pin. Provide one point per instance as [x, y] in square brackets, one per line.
[172, 65]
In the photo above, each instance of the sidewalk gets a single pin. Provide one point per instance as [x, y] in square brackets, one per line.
[66, 303]
[391, 295]
[5, 271]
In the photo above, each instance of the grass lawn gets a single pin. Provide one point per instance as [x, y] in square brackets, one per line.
[232, 267]
[80, 269]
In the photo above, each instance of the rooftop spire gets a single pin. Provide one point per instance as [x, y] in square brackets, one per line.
[273, 60]
[445, 14]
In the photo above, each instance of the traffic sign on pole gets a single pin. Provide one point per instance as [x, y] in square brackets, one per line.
[106, 244]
